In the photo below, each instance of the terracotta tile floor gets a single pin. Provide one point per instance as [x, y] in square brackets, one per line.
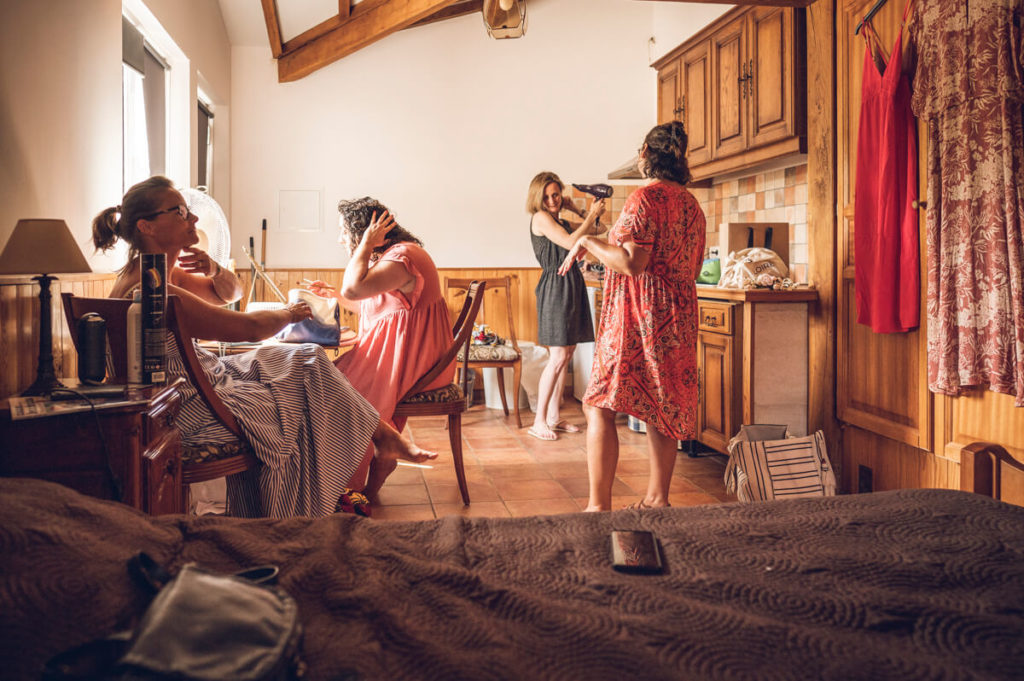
[511, 473]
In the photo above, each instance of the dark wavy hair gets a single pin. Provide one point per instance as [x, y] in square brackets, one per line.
[357, 214]
[666, 153]
[122, 222]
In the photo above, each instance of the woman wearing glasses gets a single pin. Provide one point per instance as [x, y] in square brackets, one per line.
[306, 424]
[170, 229]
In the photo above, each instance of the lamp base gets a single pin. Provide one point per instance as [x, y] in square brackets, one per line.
[46, 378]
[43, 386]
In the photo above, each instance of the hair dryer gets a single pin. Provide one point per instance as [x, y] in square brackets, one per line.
[598, 191]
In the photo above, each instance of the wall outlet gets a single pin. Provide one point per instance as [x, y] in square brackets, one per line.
[865, 480]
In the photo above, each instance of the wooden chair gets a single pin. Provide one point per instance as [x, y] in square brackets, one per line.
[199, 463]
[451, 400]
[987, 468]
[498, 357]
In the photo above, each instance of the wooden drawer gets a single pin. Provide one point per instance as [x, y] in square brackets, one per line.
[715, 316]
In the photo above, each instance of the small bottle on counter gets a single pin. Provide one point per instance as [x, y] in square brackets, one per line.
[135, 338]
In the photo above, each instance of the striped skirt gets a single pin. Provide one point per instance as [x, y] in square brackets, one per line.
[307, 425]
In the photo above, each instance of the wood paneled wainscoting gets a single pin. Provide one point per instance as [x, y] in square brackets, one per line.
[524, 304]
[19, 313]
[893, 427]
[19, 326]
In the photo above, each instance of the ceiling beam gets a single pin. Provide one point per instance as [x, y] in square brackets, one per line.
[457, 10]
[273, 27]
[368, 22]
[772, 3]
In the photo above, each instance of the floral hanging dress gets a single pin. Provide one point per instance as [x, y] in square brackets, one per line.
[645, 362]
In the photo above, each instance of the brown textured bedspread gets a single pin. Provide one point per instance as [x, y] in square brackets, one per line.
[916, 584]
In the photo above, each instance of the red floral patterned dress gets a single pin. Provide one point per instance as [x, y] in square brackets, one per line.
[645, 360]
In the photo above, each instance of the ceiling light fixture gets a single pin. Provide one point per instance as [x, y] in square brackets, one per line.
[504, 18]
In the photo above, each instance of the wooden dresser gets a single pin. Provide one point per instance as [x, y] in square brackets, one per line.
[127, 450]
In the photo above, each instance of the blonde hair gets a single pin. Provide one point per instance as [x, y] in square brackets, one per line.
[122, 222]
[535, 195]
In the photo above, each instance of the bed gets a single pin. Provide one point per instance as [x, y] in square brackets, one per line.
[911, 584]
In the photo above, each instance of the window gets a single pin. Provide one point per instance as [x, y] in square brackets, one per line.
[205, 142]
[144, 100]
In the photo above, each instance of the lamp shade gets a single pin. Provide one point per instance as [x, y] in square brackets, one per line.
[42, 247]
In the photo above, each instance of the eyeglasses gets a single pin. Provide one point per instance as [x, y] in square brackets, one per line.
[181, 209]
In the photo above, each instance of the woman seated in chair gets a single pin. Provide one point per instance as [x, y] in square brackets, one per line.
[404, 325]
[303, 420]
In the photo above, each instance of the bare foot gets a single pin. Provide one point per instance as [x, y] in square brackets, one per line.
[391, 445]
[594, 509]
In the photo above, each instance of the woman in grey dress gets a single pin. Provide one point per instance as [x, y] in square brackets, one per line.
[306, 424]
[563, 312]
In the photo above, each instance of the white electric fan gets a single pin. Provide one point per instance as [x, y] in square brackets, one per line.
[214, 234]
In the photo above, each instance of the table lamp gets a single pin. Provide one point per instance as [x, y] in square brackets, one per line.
[41, 247]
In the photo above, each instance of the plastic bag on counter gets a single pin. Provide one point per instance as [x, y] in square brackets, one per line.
[753, 268]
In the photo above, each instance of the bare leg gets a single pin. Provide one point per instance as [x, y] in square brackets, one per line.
[602, 456]
[390, 446]
[547, 397]
[662, 452]
[554, 407]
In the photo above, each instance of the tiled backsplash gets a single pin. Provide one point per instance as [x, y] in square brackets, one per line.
[778, 195]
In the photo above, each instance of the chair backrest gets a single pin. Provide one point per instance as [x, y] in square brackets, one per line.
[496, 284]
[115, 313]
[461, 333]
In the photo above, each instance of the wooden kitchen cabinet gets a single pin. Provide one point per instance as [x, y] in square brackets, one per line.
[718, 364]
[738, 86]
[752, 361]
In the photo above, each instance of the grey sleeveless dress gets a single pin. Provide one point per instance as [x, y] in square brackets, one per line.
[563, 312]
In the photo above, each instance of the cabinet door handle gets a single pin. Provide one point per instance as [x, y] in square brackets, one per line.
[682, 107]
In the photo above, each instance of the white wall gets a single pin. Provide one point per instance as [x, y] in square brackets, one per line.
[674, 23]
[60, 112]
[444, 125]
[60, 105]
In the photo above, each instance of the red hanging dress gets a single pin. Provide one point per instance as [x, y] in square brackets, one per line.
[886, 255]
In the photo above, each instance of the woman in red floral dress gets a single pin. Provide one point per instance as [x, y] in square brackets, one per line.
[645, 360]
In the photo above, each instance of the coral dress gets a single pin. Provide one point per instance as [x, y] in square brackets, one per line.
[645, 362]
[401, 336]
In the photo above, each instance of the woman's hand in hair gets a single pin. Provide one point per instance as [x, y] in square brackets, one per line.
[376, 233]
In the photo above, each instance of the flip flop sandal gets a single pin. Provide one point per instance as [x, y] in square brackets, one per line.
[564, 426]
[547, 437]
[641, 506]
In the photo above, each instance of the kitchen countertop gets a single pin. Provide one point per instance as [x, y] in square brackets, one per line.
[750, 295]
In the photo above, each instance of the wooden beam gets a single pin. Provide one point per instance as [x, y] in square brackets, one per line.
[363, 27]
[344, 9]
[746, 3]
[273, 27]
[457, 10]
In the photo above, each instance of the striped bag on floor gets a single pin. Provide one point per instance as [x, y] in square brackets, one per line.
[762, 470]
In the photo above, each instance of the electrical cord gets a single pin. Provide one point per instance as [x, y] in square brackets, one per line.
[115, 482]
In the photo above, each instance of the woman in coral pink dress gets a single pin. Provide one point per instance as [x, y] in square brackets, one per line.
[404, 325]
[645, 361]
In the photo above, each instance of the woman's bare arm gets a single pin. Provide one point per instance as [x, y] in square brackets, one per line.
[211, 322]
[628, 259]
[544, 224]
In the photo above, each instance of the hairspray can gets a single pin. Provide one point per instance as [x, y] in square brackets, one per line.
[92, 348]
[153, 267]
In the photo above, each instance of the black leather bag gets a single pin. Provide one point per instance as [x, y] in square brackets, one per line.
[200, 626]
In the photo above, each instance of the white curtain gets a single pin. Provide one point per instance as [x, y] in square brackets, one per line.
[136, 147]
